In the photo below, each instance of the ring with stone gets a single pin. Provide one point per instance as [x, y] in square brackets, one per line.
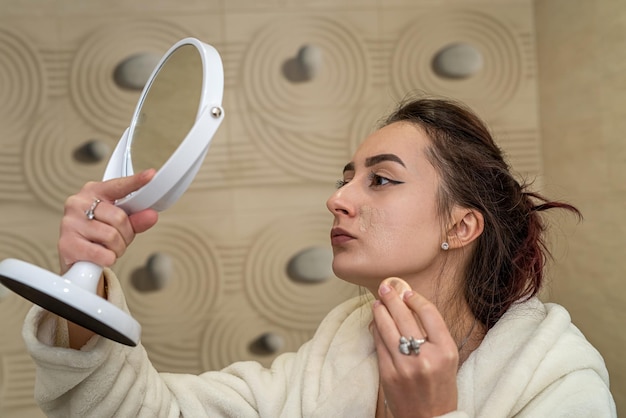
[90, 212]
[410, 345]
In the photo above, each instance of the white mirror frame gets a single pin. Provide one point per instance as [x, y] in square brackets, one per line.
[73, 295]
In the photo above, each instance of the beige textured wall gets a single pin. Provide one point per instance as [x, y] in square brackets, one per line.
[582, 72]
[259, 198]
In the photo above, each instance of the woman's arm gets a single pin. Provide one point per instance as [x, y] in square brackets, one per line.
[105, 379]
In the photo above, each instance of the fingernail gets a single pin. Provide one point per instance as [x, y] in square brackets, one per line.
[407, 294]
[384, 289]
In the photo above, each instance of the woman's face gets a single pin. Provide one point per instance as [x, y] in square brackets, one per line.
[385, 215]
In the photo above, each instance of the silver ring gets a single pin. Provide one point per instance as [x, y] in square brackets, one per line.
[410, 345]
[90, 212]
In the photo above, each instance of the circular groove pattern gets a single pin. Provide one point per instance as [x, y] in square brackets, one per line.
[193, 290]
[365, 122]
[303, 154]
[96, 96]
[16, 246]
[286, 117]
[269, 288]
[489, 89]
[21, 82]
[226, 341]
[13, 186]
[50, 171]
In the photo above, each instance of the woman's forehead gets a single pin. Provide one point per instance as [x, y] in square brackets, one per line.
[403, 139]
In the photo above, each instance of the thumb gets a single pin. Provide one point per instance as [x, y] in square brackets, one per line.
[143, 220]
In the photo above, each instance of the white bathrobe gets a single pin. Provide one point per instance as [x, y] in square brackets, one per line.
[532, 363]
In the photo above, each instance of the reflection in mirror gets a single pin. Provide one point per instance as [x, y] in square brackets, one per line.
[168, 112]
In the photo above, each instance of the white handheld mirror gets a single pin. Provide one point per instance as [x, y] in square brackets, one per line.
[179, 111]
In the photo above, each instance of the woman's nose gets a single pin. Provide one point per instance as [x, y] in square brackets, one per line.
[339, 203]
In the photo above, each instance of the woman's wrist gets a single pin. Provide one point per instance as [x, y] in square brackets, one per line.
[78, 335]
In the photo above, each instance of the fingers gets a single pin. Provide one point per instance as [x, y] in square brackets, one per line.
[400, 320]
[419, 381]
[118, 188]
[75, 244]
[144, 220]
[100, 240]
[410, 316]
[430, 319]
[105, 236]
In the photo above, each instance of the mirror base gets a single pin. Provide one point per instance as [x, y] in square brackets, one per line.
[62, 297]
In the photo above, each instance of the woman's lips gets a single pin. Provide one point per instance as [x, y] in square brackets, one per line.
[339, 236]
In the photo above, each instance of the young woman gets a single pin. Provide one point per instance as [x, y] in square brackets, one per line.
[429, 199]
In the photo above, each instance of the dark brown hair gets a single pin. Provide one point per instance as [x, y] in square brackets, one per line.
[508, 261]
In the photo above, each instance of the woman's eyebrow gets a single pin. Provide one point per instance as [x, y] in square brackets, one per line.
[375, 160]
[383, 157]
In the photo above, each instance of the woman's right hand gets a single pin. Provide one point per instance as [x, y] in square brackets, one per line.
[105, 238]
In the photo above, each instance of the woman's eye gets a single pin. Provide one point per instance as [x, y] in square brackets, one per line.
[379, 181]
[376, 180]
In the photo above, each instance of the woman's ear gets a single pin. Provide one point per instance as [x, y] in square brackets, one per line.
[468, 225]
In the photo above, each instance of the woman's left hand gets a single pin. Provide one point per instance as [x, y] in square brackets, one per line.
[421, 383]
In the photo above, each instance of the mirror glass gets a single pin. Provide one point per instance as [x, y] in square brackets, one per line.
[168, 111]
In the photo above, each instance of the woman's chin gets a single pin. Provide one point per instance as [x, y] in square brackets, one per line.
[358, 276]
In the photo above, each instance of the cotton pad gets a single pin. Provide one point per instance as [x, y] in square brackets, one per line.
[398, 284]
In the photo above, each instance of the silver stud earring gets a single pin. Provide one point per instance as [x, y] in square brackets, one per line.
[445, 246]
